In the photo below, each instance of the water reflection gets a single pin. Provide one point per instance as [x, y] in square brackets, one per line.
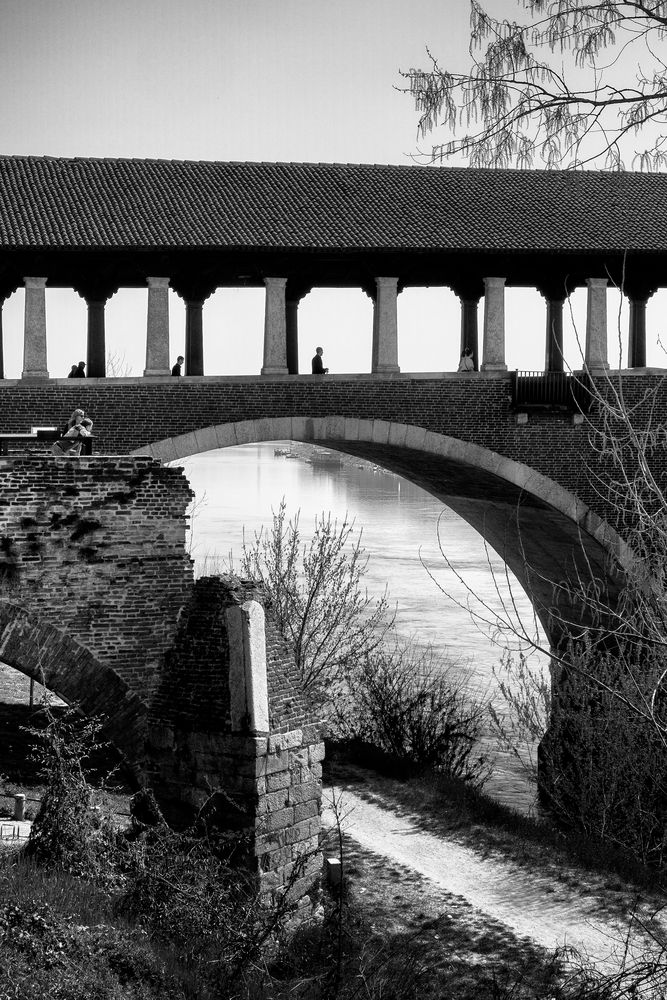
[399, 523]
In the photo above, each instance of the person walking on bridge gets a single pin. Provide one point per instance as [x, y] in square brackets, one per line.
[317, 364]
[176, 370]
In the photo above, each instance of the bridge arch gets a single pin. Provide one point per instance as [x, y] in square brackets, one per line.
[51, 657]
[544, 533]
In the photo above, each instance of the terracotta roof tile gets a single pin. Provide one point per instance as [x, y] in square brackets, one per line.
[72, 203]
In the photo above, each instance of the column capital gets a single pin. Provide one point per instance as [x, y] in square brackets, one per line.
[638, 290]
[597, 282]
[96, 291]
[467, 289]
[277, 283]
[35, 282]
[297, 290]
[193, 289]
[553, 290]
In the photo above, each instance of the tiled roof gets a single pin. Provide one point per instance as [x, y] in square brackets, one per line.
[108, 203]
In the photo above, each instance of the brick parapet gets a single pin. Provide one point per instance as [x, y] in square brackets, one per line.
[473, 409]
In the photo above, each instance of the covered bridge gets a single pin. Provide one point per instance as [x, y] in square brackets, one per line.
[96, 225]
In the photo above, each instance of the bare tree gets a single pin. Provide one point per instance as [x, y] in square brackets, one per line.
[571, 83]
[315, 592]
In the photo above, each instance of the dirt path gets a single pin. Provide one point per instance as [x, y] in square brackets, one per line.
[551, 912]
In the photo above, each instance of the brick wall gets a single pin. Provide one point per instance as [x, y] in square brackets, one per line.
[96, 548]
[474, 409]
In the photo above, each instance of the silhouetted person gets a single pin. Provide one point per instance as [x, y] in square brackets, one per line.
[73, 372]
[317, 364]
[176, 370]
[77, 371]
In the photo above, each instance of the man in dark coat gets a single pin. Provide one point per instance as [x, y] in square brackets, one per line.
[317, 364]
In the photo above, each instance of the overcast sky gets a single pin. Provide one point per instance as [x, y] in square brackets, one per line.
[240, 80]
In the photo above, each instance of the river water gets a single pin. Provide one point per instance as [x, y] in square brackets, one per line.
[403, 528]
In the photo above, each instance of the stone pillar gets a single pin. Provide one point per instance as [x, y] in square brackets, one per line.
[385, 326]
[292, 335]
[469, 329]
[275, 328]
[637, 331]
[157, 327]
[194, 336]
[493, 358]
[248, 690]
[34, 330]
[553, 356]
[2, 356]
[596, 325]
[96, 341]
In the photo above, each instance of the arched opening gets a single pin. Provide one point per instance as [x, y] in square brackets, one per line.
[531, 525]
[233, 322]
[64, 667]
[340, 320]
[429, 330]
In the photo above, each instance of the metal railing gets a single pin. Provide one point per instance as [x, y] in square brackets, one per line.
[551, 391]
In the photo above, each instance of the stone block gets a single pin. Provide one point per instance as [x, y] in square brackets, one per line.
[380, 432]
[310, 790]
[274, 782]
[225, 435]
[397, 434]
[316, 753]
[277, 800]
[207, 439]
[280, 820]
[286, 741]
[306, 810]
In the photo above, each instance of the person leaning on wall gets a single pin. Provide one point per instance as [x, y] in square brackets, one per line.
[466, 362]
[79, 426]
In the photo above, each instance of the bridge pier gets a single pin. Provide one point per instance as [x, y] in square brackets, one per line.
[232, 742]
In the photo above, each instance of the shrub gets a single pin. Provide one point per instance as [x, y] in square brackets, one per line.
[409, 703]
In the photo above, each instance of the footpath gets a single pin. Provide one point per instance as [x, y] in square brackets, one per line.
[576, 909]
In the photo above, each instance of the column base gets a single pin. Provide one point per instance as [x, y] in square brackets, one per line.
[490, 367]
[386, 370]
[157, 371]
[35, 374]
[271, 370]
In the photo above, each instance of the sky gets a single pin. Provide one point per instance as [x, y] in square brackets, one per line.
[286, 80]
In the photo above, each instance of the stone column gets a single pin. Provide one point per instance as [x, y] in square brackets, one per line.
[385, 326]
[96, 340]
[157, 327]
[469, 329]
[596, 325]
[493, 356]
[248, 689]
[194, 336]
[553, 356]
[34, 330]
[292, 335]
[275, 328]
[2, 355]
[637, 331]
